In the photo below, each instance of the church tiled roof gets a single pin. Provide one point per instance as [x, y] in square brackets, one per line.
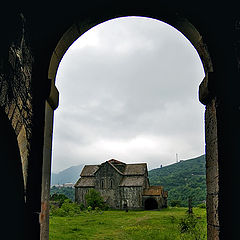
[153, 191]
[85, 182]
[135, 169]
[129, 169]
[132, 181]
[89, 170]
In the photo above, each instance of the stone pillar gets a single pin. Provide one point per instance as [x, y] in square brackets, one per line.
[50, 105]
[212, 170]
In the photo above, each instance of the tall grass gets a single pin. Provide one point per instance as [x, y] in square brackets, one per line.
[132, 225]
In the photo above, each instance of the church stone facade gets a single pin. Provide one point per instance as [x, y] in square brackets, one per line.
[121, 185]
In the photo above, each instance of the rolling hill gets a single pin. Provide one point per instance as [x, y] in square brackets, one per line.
[182, 180]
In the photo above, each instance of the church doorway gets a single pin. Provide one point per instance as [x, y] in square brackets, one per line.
[150, 204]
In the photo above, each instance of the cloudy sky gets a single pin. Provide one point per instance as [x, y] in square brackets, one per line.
[128, 91]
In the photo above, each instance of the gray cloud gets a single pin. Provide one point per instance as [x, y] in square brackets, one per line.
[124, 84]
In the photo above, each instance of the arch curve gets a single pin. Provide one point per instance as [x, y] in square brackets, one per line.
[78, 29]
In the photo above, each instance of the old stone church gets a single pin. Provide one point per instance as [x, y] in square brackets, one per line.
[121, 184]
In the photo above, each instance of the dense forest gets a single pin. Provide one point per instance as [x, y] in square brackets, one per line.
[182, 180]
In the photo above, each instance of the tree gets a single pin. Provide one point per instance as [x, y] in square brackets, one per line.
[94, 199]
[59, 198]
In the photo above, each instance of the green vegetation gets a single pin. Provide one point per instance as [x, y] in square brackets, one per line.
[167, 224]
[58, 199]
[191, 226]
[66, 209]
[94, 199]
[67, 191]
[182, 180]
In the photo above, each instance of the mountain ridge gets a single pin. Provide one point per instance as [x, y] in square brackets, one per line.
[68, 175]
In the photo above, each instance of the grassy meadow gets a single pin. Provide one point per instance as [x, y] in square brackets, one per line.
[166, 224]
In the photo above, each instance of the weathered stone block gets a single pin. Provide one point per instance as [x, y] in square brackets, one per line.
[210, 122]
[212, 185]
[11, 110]
[18, 127]
[213, 232]
[212, 153]
[212, 209]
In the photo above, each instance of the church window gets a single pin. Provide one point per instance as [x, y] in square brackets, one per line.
[111, 184]
[102, 184]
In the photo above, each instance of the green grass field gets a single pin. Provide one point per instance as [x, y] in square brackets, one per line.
[132, 225]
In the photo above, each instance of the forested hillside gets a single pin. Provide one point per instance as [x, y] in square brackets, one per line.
[182, 180]
[67, 191]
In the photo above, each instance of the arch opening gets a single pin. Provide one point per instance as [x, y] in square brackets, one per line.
[150, 204]
[142, 80]
[61, 50]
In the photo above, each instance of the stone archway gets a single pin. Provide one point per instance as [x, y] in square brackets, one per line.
[150, 204]
[74, 32]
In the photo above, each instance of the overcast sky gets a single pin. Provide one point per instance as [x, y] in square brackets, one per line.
[128, 91]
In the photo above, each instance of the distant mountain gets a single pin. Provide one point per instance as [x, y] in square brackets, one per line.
[69, 175]
[183, 179]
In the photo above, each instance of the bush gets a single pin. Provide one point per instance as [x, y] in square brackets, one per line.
[58, 198]
[81, 206]
[193, 227]
[68, 208]
[175, 203]
[94, 199]
[202, 205]
[89, 208]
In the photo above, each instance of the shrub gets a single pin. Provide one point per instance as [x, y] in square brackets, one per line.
[58, 198]
[94, 199]
[202, 205]
[89, 208]
[175, 203]
[193, 227]
[68, 208]
[81, 206]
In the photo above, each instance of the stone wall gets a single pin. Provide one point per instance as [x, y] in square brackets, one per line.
[106, 173]
[80, 195]
[16, 93]
[133, 197]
